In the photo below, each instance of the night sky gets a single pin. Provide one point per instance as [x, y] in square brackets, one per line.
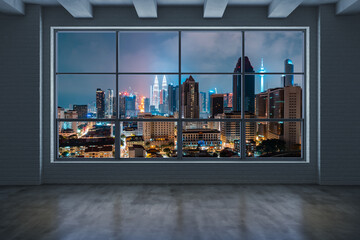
[158, 52]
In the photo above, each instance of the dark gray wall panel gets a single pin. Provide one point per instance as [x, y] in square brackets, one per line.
[19, 98]
[180, 172]
[340, 98]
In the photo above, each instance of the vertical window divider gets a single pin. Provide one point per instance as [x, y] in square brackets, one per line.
[242, 97]
[117, 122]
[179, 121]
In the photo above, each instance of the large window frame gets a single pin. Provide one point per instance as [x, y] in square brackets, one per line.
[305, 132]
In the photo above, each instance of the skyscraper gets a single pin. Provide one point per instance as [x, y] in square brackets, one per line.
[249, 97]
[156, 93]
[262, 81]
[109, 104]
[147, 105]
[211, 92]
[81, 110]
[122, 104]
[130, 103]
[289, 68]
[100, 103]
[203, 102]
[217, 104]
[190, 98]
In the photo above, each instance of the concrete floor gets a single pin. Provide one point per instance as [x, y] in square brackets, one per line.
[179, 212]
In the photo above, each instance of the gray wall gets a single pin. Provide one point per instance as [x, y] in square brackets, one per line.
[19, 104]
[340, 98]
[180, 172]
[19, 98]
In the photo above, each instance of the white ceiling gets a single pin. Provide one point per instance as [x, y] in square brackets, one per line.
[148, 8]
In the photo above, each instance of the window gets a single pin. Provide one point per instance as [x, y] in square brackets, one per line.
[191, 94]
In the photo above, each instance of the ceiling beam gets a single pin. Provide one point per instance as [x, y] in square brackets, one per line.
[146, 8]
[347, 6]
[78, 8]
[12, 6]
[282, 8]
[214, 8]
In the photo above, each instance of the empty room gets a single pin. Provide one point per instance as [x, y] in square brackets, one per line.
[179, 119]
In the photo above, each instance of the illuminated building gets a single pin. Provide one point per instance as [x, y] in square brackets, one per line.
[130, 106]
[211, 92]
[158, 133]
[262, 81]
[156, 93]
[190, 97]
[100, 103]
[249, 97]
[109, 104]
[203, 138]
[289, 78]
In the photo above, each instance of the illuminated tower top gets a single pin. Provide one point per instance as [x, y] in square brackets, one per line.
[164, 84]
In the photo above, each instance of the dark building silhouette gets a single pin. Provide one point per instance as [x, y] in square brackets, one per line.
[173, 95]
[121, 105]
[100, 103]
[190, 97]
[147, 105]
[81, 110]
[216, 104]
[249, 87]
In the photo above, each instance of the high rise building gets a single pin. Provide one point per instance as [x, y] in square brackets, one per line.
[203, 102]
[211, 92]
[281, 103]
[130, 106]
[263, 86]
[147, 105]
[190, 98]
[81, 110]
[109, 104]
[249, 97]
[122, 109]
[289, 68]
[156, 93]
[100, 103]
[217, 104]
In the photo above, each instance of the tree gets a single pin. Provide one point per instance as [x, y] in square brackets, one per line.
[271, 146]
[147, 143]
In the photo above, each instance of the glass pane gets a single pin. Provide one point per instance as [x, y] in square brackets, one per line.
[148, 51]
[93, 52]
[209, 96]
[148, 95]
[274, 51]
[210, 51]
[86, 139]
[148, 139]
[276, 96]
[211, 139]
[86, 96]
[273, 139]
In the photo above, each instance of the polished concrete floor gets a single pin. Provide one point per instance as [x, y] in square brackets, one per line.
[179, 212]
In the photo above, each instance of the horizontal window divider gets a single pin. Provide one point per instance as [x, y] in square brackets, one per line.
[273, 73]
[177, 73]
[180, 28]
[86, 120]
[149, 120]
[183, 160]
[86, 73]
[273, 120]
[182, 120]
